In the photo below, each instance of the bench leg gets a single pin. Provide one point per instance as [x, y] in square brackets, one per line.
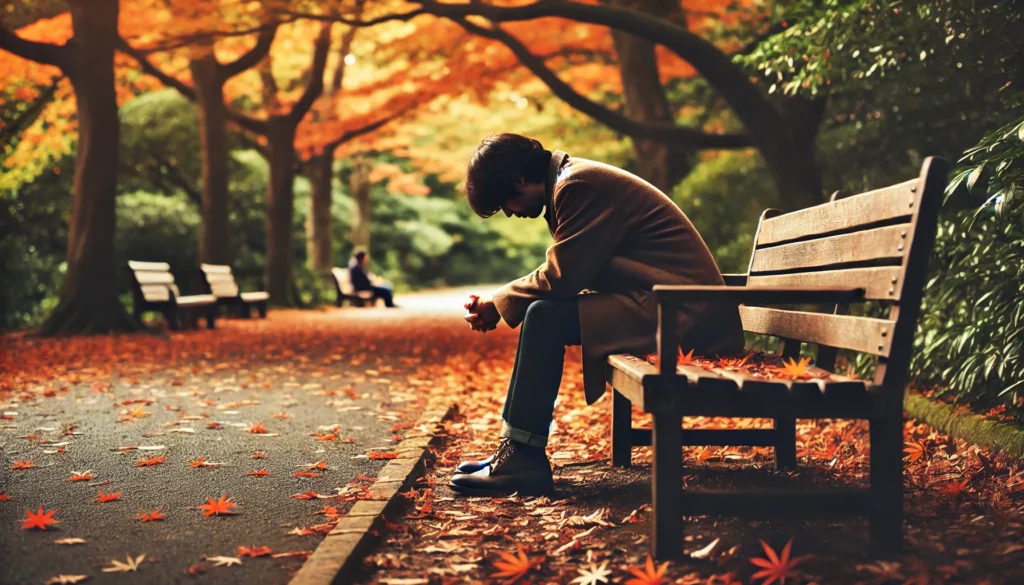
[886, 519]
[173, 321]
[211, 317]
[622, 429]
[667, 485]
[785, 443]
[261, 308]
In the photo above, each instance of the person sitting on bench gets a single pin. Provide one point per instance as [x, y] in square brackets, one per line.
[615, 237]
[363, 280]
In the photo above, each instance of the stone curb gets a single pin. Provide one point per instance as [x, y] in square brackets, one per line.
[970, 427]
[336, 557]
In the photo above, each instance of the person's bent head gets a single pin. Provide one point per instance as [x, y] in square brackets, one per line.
[507, 172]
[361, 256]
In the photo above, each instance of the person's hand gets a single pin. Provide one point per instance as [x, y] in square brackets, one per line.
[481, 313]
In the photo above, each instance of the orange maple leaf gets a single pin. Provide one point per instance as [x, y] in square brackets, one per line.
[22, 464]
[256, 551]
[649, 575]
[322, 436]
[914, 451]
[150, 461]
[81, 476]
[258, 455]
[307, 474]
[796, 370]
[685, 359]
[204, 462]
[514, 567]
[776, 567]
[258, 429]
[217, 507]
[151, 516]
[39, 520]
[321, 465]
[374, 454]
[110, 497]
[4, 496]
[259, 472]
[954, 488]
[307, 495]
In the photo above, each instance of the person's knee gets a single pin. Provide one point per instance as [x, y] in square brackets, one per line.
[541, 311]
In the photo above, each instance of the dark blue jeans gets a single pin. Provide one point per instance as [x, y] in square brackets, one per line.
[549, 327]
[383, 292]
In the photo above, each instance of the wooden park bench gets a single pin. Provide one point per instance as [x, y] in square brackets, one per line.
[219, 281]
[347, 292]
[154, 289]
[869, 247]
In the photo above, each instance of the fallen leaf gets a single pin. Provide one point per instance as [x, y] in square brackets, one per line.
[81, 476]
[204, 462]
[110, 497]
[220, 561]
[258, 429]
[217, 507]
[71, 540]
[649, 575]
[153, 516]
[65, 579]
[38, 519]
[150, 461]
[592, 574]
[256, 551]
[776, 567]
[131, 566]
[704, 552]
[22, 464]
[259, 472]
[514, 567]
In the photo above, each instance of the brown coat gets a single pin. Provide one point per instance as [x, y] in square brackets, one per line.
[615, 237]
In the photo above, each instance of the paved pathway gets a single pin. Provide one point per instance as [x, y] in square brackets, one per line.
[349, 375]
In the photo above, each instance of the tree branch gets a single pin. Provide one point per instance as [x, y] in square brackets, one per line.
[372, 126]
[45, 53]
[610, 118]
[316, 76]
[14, 127]
[250, 59]
[249, 123]
[148, 67]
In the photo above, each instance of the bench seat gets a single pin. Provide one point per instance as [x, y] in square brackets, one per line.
[346, 292]
[196, 300]
[154, 289]
[219, 280]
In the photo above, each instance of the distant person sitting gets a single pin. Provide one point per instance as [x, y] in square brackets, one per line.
[363, 280]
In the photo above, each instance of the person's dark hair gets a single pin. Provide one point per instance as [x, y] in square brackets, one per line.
[359, 255]
[495, 168]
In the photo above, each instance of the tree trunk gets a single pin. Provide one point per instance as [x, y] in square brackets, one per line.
[792, 163]
[214, 235]
[361, 196]
[88, 301]
[318, 227]
[280, 212]
[661, 163]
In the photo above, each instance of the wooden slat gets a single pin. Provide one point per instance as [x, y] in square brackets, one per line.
[842, 214]
[224, 290]
[157, 266]
[717, 437]
[774, 503]
[218, 277]
[864, 334]
[215, 268]
[196, 300]
[255, 296]
[146, 277]
[875, 244]
[626, 373]
[773, 295]
[879, 283]
[155, 293]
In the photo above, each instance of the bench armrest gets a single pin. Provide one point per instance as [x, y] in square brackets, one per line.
[735, 279]
[769, 295]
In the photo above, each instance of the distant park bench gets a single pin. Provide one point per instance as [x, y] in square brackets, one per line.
[154, 289]
[869, 247]
[347, 292]
[219, 281]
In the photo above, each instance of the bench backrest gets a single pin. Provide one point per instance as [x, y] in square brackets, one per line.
[879, 240]
[343, 280]
[153, 281]
[219, 280]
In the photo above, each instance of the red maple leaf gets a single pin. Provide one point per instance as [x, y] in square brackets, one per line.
[258, 429]
[196, 569]
[256, 551]
[776, 567]
[374, 454]
[321, 465]
[81, 476]
[648, 575]
[22, 464]
[151, 516]
[4, 496]
[39, 520]
[110, 497]
[259, 472]
[307, 474]
[217, 507]
[258, 455]
[321, 436]
[514, 567]
[150, 461]
[308, 495]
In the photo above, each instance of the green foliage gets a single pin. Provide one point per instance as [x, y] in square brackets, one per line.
[724, 198]
[972, 329]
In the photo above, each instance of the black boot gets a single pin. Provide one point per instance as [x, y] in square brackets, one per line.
[514, 467]
[474, 466]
